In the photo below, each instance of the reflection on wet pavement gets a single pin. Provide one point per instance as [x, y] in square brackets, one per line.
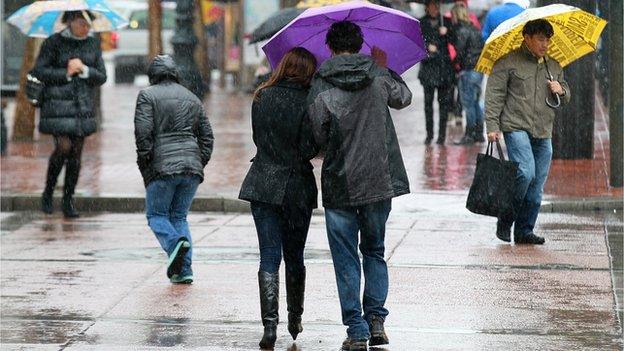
[109, 160]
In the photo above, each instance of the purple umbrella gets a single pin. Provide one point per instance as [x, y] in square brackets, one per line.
[393, 31]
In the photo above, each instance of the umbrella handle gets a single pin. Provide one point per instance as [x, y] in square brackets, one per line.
[557, 103]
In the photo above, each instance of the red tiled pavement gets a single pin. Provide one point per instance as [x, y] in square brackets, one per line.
[109, 159]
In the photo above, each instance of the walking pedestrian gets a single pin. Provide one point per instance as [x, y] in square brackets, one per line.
[70, 66]
[281, 187]
[515, 106]
[501, 13]
[3, 130]
[174, 143]
[362, 171]
[436, 71]
[468, 43]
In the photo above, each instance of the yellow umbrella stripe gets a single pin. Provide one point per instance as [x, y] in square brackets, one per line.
[576, 33]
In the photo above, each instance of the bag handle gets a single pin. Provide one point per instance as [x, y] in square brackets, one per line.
[490, 149]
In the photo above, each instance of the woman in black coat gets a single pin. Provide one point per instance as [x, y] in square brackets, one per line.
[436, 71]
[281, 187]
[71, 67]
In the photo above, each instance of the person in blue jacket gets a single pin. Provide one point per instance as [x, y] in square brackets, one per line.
[501, 13]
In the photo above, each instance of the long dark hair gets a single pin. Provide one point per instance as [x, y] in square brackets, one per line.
[297, 65]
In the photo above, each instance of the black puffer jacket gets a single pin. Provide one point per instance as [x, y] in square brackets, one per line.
[68, 103]
[436, 70]
[468, 43]
[348, 108]
[281, 173]
[173, 135]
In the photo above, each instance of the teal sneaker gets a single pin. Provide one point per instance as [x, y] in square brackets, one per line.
[176, 259]
[181, 279]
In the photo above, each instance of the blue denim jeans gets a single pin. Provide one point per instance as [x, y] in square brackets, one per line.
[469, 92]
[167, 203]
[533, 156]
[342, 231]
[281, 228]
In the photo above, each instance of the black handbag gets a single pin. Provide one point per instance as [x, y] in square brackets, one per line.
[493, 187]
[34, 90]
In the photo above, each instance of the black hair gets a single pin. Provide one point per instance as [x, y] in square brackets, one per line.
[69, 16]
[344, 36]
[538, 26]
[428, 2]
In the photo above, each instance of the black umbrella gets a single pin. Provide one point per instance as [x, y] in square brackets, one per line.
[439, 2]
[274, 24]
[281, 18]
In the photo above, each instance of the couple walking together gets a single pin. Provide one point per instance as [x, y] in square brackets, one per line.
[342, 113]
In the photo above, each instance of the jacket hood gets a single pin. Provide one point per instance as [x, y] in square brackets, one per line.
[348, 72]
[162, 68]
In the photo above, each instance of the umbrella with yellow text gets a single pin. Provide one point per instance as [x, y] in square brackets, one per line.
[576, 33]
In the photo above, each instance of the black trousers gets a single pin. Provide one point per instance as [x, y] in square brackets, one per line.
[281, 229]
[444, 103]
[68, 153]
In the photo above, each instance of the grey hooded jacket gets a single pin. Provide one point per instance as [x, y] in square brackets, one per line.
[173, 135]
[348, 108]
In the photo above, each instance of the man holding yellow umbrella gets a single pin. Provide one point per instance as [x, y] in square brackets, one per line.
[524, 57]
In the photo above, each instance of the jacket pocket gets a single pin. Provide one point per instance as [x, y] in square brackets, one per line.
[519, 83]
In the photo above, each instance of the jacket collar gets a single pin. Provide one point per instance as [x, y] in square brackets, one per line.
[288, 83]
[529, 55]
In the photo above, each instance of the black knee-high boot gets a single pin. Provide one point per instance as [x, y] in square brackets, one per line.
[269, 299]
[295, 290]
[72, 171]
[55, 165]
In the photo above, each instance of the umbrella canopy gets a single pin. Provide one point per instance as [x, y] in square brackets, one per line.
[43, 18]
[393, 31]
[274, 23]
[575, 35]
[281, 18]
[304, 4]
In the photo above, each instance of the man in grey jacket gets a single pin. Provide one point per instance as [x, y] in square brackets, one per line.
[515, 104]
[362, 172]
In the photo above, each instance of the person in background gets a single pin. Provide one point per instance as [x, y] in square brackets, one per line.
[456, 109]
[281, 187]
[3, 130]
[501, 13]
[71, 67]
[468, 43]
[173, 143]
[436, 71]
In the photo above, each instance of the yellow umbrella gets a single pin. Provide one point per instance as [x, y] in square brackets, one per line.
[575, 34]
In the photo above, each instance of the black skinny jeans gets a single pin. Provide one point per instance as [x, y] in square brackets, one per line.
[68, 152]
[444, 102]
[281, 228]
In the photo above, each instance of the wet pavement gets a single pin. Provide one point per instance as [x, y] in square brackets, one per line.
[98, 283]
[109, 167]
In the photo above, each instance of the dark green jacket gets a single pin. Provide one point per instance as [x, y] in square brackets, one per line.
[515, 97]
[348, 107]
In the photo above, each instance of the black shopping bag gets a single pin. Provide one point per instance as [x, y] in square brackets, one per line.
[492, 189]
